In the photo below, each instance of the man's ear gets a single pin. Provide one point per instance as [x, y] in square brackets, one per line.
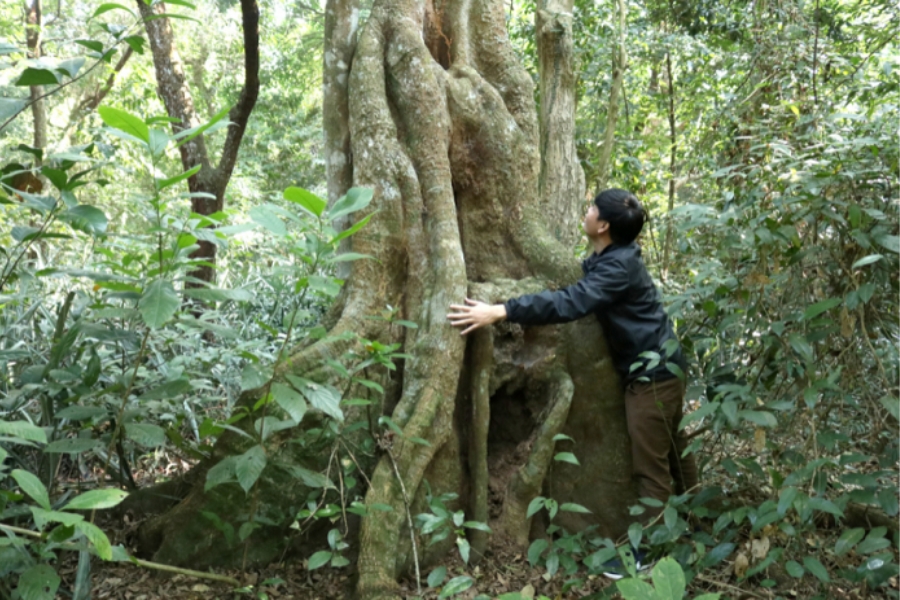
[602, 227]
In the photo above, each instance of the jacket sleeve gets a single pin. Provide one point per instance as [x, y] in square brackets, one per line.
[601, 287]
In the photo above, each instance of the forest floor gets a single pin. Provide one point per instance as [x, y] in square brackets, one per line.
[501, 571]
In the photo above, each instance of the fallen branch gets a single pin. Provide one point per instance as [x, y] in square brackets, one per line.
[412, 531]
[141, 563]
[729, 586]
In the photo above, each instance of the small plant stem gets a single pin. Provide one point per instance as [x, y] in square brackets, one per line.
[409, 522]
[142, 563]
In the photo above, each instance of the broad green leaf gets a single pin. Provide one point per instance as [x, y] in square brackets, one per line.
[819, 307]
[635, 589]
[71, 66]
[794, 569]
[355, 199]
[848, 539]
[145, 434]
[535, 505]
[291, 401]
[214, 124]
[38, 582]
[815, 567]
[170, 390]
[32, 76]
[312, 479]
[354, 228]
[873, 543]
[464, 548]
[10, 106]
[265, 217]
[81, 413]
[136, 43]
[249, 466]
[572, 507]
[319, 559]
[96, 537]
[760, 417]
[32, 486]
[306, 199]
[88, 219]
[222, 472]
[867, 260]
[825, 505]
[668, 578]
[71, 445]
[889, 242]
[96, 499]
[566, 457]
[323, 397]
[42, 517]
[125, 122]
[891, 405]
[23, 430]
[536, 549]
[477, 525]
[456, 585]
[162, 184]
[158, 303]
[91, 45]
[786, 500]
[338, 561]
[635, 533]
[437, 576]
[104, 8]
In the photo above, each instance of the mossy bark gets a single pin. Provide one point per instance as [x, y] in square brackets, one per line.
[442, 124]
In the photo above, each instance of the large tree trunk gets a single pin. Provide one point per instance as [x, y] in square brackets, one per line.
[442, 125]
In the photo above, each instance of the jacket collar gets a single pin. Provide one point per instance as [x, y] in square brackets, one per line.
[589, 263]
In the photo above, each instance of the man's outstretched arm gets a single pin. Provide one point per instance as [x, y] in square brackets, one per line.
[474, 314]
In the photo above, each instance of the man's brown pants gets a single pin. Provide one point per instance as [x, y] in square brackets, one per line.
[653, 411]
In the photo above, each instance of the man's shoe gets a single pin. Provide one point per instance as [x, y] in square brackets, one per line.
[615, 570]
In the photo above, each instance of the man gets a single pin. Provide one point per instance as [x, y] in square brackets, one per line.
[617, 288]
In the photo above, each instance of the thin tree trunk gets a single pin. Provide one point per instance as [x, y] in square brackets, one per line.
[620, 65]
[561, 183]
[176, 95]
[673, 153]
[33, 33]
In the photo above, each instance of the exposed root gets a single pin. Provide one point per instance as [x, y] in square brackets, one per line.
[526, 483]
[482, 364]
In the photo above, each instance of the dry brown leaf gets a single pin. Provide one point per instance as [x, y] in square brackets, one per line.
[759, 440]
[741, 564]
[527, 592]
[759, 548]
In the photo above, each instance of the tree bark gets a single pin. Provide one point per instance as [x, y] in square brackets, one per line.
[442, 125]
[561, 184]
[620, 65]
[173, 89]
[33, 33]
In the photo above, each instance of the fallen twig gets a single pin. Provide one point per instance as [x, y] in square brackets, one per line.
[729, 586]
[141, 563]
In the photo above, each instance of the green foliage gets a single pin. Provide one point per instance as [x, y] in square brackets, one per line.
[668, 584]
[440, 523]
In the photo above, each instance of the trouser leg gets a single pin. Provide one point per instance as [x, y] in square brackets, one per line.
[653, 411]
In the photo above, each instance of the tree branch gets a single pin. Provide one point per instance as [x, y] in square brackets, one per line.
[240, 114]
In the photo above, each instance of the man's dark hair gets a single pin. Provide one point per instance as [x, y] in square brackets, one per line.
[624, 213]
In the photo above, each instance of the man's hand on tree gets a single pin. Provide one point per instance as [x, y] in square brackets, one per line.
[475, 314]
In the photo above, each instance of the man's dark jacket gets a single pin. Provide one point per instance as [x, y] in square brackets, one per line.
[618, 289]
